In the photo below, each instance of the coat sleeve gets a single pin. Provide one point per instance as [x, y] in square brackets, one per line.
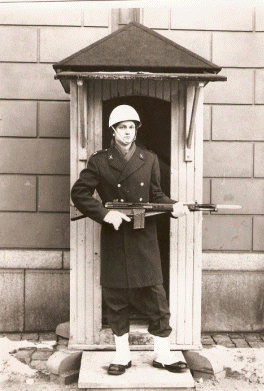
[83, 190]
[156, 194]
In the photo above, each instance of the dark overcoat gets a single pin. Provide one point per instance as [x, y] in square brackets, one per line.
[130, 258]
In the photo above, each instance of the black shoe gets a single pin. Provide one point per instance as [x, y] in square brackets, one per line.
[118, 369]
[177, 367]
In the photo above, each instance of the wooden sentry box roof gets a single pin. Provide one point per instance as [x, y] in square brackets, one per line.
[136, 47]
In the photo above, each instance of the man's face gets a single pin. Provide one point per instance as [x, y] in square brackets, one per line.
[125, 132]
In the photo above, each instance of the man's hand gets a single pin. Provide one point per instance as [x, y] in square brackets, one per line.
[179, 209]
[115, 218]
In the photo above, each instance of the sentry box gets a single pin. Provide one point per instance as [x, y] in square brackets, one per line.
[164, 82]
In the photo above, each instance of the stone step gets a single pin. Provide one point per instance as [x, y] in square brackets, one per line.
[141, 376]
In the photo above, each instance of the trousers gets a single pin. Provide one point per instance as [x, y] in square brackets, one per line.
[150, 301]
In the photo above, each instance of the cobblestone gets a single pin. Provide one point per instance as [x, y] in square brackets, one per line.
[30, 336]
[240, 343]
[41, 355]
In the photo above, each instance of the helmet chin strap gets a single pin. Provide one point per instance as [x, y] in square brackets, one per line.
[119, 135]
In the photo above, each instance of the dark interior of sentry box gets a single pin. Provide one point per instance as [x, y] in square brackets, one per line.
[155, 135]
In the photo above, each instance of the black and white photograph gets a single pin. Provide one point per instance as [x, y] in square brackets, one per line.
[132, 195]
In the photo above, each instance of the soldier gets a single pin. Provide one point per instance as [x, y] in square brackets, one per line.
[130, 259]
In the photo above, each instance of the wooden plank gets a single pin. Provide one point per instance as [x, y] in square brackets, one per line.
[174, 223]
[89, 235]
[181, 221]
[97, 305]
[121, 87]
[198, 188]
[81, 125]
[136, 87]
[114, 92]
[81, 288]
[152, 88]
[144, 87]
[159, 89]
[167, 90]
[106, 89]
[189, 230]
[73, 231]
[129, 87]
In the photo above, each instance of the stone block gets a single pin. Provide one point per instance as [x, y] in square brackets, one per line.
[54, 119]
[18, 44]
[13, 336]
[156, 18]
[96, 17]
[64, 361]
[198, 42]
[259, 18]
[238, 50]
[212, 17]
[230, 159]
[207, 340]
[47, 337]
[63, 330]
[206, 191]
[252, 337]
[24, 355]
[65, 378]
[58, 43]
[207, 124]
[258, 233]
[249, 193]
[238, 123]
[30, 336]
[18, 193]
[35, 156]
[31, 81]
[41, 355]
[40, 15]
[208, 362]
[259, 83]
[54, 194]
[259, 160]
[238, 89]
[256, 344]
[233, 261]
[34, 230]
[18, 119]
[232, 301]
[46, 299]
[40, 365]
[12, 300]
[30, 259]
[66, 259]
[240, 343]
[227, 233]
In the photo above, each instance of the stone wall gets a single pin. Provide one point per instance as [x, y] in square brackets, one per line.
[35, 145]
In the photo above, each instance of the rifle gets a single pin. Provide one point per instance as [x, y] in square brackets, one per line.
[138, 211]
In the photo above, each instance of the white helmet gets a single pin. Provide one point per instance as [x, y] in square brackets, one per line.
[123, 113]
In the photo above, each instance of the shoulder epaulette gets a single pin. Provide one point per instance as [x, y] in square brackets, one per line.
[148, 150]
[101, 151]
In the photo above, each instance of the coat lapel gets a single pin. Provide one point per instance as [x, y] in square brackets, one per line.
[136, 161]
[115, 160]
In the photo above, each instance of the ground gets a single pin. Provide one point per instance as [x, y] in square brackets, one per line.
[244, 371]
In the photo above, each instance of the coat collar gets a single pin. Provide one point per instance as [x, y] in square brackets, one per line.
[127, 168]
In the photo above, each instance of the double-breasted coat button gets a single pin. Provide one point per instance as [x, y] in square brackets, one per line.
[122, 200]
[142, 184]
[118, 185]
[141, 199]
